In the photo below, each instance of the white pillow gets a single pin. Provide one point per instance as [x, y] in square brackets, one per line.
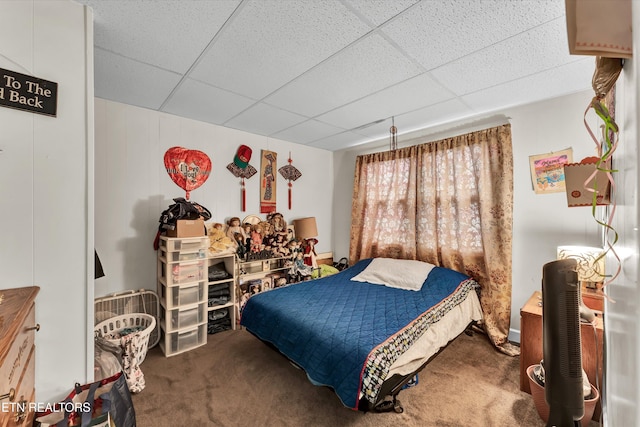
[395, 273]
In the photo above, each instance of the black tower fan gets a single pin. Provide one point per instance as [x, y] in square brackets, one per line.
[561, 343]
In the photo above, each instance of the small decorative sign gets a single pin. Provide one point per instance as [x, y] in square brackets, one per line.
[547, 171]
[28, 93]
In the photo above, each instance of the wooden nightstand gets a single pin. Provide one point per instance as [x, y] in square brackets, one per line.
[531, 344]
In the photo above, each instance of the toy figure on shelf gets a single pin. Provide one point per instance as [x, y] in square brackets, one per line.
[256, 239]
[300, 270]
[235, 227]
[310, 255]
[236, 233]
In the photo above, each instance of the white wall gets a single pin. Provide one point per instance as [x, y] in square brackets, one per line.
[622, 318]
[132, 187]
[540, 222]
[45, 185]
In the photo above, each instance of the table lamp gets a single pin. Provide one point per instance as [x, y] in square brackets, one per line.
[590, 263]
[590, 269]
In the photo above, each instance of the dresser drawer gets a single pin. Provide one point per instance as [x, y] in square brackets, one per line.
[20, 412]
[16, 358]
[18, 368]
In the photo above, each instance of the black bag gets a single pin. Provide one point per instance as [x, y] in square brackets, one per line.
[89, 401]
[342, 264]
[181, 209]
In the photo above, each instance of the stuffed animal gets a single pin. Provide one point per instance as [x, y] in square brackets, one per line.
[218, 240]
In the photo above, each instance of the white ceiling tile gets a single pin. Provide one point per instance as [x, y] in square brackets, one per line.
[395, 100]
[170, 34]
[537, 50]
[306, 132]
[202, 102]
[271, 42]
[380, 11]
[569, 78]
[436, 32]
[340, 141]
[264, 119]
[425, 117]
[367, 66]
[131, 82]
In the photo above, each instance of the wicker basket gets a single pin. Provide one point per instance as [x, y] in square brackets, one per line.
[133, 320]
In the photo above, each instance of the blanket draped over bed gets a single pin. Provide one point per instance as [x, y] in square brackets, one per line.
[346, 334]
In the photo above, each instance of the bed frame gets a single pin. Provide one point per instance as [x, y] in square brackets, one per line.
[388, 397]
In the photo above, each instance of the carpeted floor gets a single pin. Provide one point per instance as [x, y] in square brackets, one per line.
[236, 380]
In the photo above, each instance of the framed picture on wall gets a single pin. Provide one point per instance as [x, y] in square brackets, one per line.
[547, 171]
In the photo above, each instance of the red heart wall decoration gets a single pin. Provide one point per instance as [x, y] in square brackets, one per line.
[189, 169]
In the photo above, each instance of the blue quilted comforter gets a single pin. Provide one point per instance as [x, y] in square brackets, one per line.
[346, 334]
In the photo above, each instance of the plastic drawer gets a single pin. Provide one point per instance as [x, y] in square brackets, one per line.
[182, 272]
[176, 296]
[183, 256]
[182, 341]
[180, 318]
[185, 244]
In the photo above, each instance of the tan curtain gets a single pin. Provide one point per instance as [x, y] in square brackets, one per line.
[447, 202]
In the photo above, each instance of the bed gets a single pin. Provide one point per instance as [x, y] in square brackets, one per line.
[366, 331]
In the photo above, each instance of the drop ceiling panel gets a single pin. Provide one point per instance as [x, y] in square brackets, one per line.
[308, 131]
[202, 102]
[367, 66]
[264, 119]
[340, 141]
[395, 100]
[432, 115]
[507, 61]
[573, 77]
[269, 43]
[131, 82]
[436, 32]
[165, 33]
[379, 11]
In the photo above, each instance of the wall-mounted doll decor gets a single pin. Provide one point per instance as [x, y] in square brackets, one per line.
[290, 173]
[268, 164]
[240, 168]
[189, 169]
[547, 171]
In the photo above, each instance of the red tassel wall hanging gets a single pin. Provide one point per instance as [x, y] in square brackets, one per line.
[290, 173]
[240, 168]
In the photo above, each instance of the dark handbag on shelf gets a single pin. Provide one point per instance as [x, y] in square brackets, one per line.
[342, 264]
[103, 402]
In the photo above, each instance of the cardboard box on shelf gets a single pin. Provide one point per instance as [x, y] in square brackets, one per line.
[188, 228]
[575, 176]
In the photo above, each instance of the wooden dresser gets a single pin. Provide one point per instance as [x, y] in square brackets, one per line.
[531, 344]
[17, 356]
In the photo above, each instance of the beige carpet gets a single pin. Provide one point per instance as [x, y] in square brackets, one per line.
[236, 380]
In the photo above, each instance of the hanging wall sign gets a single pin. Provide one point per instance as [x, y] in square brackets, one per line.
[28, 93]
[268, 166]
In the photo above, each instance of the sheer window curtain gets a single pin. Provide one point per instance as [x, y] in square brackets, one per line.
[448, 202]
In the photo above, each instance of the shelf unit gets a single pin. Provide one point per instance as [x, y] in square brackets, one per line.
[221, 293]
[182, 291]
[255, 276]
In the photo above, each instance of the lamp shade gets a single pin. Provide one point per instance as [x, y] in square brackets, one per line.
[305, 228]
[590, 261]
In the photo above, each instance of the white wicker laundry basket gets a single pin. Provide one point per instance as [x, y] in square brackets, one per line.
[116, 324]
